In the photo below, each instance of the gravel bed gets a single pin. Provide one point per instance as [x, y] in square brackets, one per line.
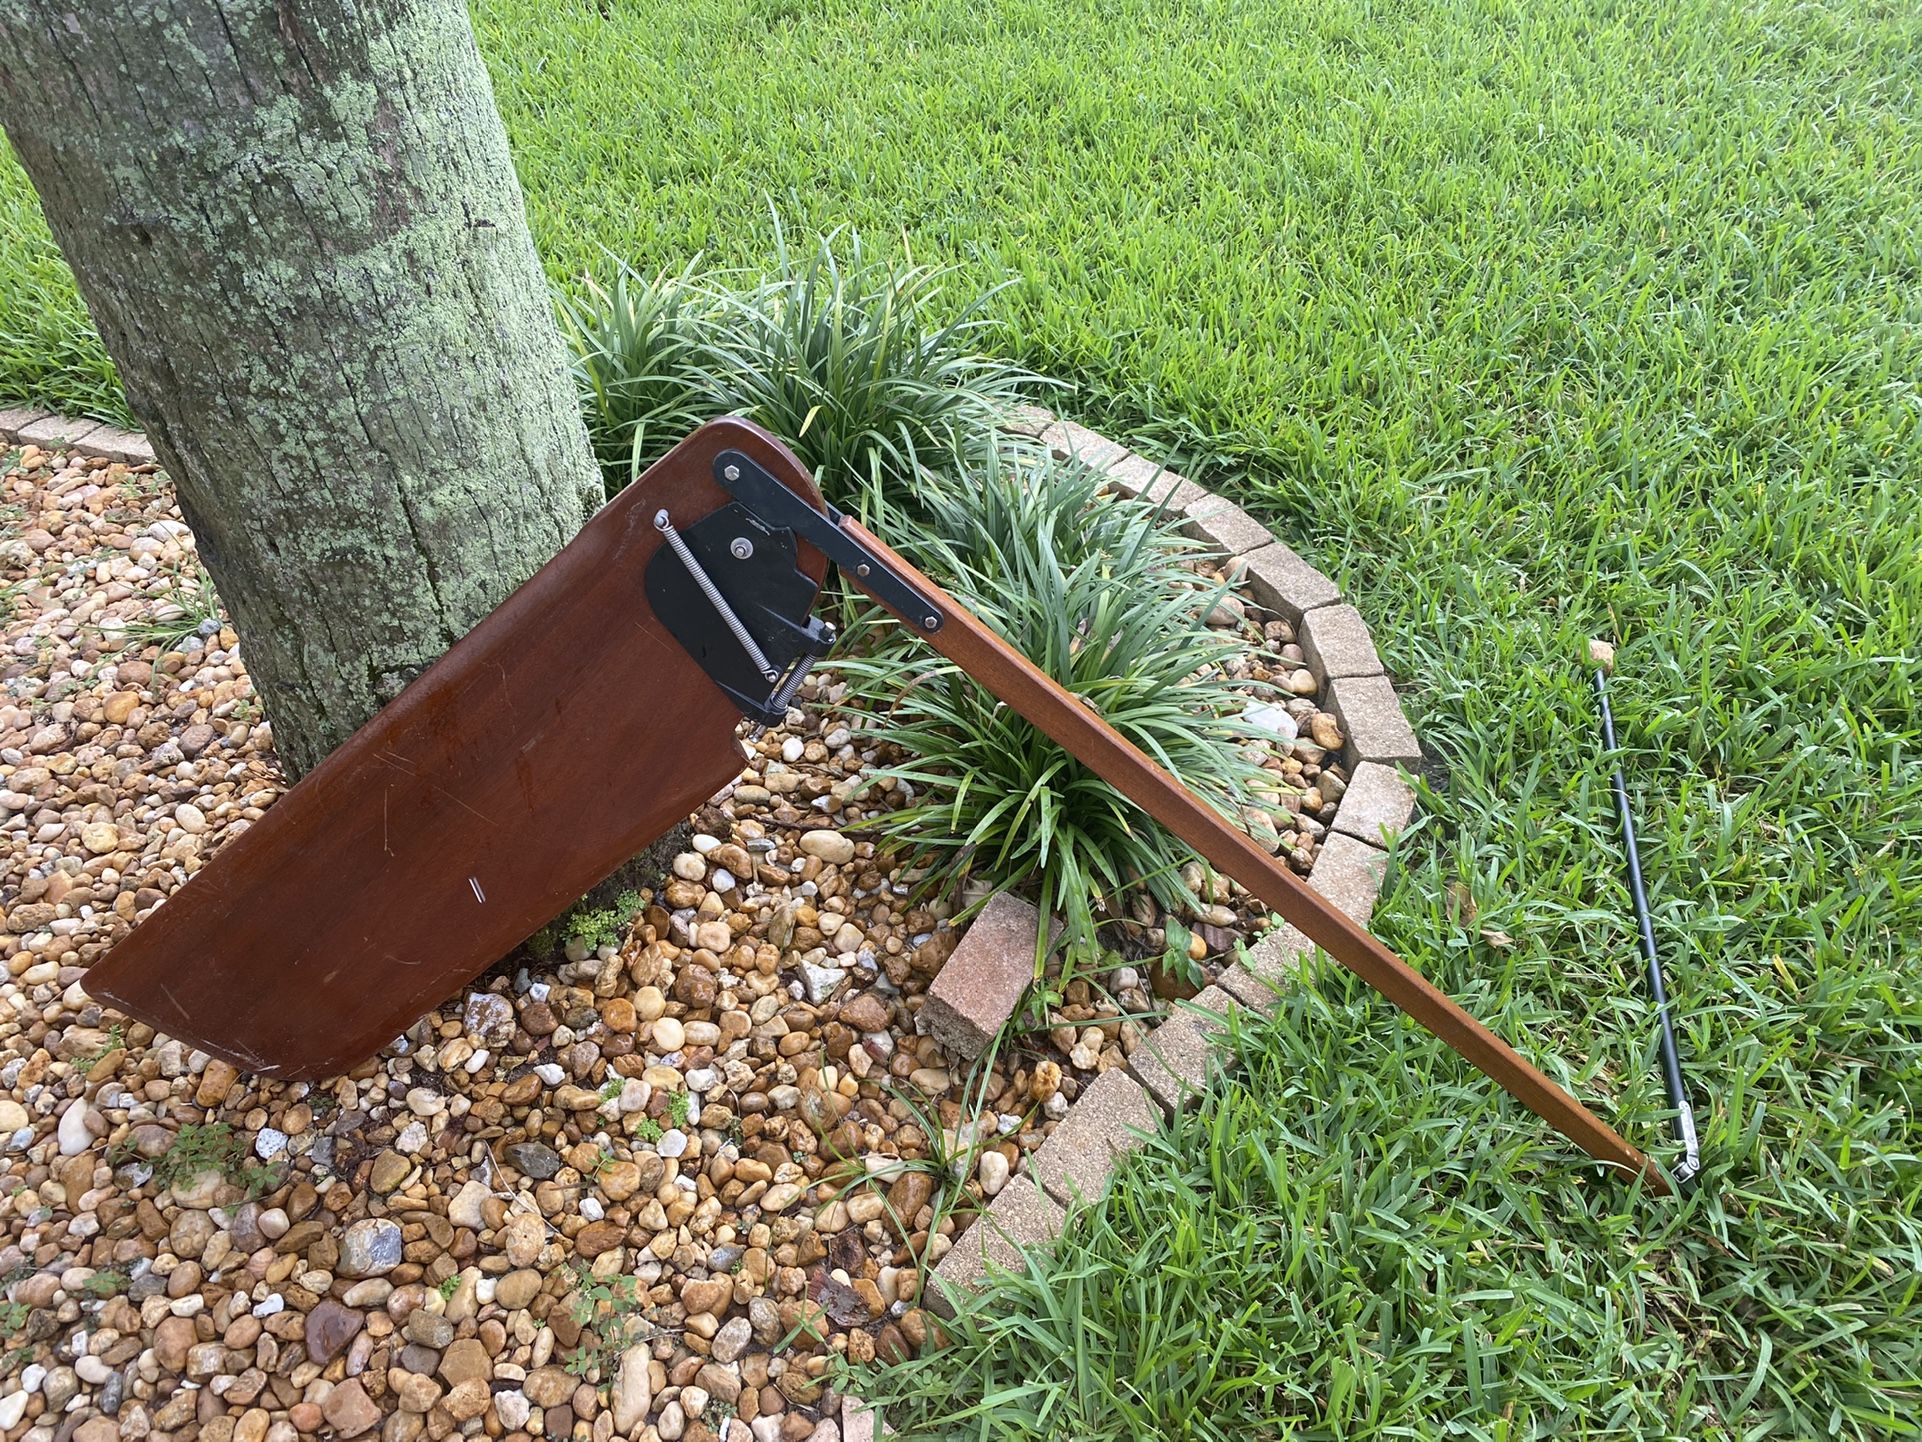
[651, 1191]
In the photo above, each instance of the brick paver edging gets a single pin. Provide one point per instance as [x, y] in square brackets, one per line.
[31, 426]
[1170, 1069]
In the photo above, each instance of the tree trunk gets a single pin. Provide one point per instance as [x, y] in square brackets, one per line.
[300, 234]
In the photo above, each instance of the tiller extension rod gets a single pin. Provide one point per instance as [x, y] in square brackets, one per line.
[587, 714]
[1602, 660]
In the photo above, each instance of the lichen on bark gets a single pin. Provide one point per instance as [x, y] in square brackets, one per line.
[299, 232]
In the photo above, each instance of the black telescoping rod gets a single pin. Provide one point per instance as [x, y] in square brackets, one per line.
[1602, 658]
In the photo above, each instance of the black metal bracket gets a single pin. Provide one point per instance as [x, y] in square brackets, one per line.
[729, 589]
[776, 505]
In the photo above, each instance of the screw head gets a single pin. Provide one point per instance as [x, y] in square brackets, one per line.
[863, 569]
[931, 623]
[740, 548]
[732, 473]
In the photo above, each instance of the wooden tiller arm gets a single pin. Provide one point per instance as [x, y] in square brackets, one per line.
[964, 639]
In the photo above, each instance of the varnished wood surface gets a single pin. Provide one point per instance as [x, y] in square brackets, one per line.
[1010, 676]
[560, 737]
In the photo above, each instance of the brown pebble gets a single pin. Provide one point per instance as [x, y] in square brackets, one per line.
[330, 1327]
[348, 1408]
[215, 1082]
[389, 1171]
[710, 1296]
[468, 1400]
[549, 1386]
[598, 1237]
[865, 1013]
[465, 1360]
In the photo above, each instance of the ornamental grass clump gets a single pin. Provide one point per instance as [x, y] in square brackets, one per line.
[849, 359]
[855, 361]
[639, 350]
[1099, 592]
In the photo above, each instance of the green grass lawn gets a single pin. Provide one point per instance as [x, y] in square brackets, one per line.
[1528, 322]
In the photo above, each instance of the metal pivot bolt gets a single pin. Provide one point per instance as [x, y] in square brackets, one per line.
[740, 548]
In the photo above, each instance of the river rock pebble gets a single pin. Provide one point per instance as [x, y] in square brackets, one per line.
[370, 1247]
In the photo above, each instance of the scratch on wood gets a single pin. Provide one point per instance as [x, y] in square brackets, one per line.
[401, 763]
[477, 815]
[179, 1010]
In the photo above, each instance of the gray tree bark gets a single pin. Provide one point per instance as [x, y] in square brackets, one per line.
[299, 231]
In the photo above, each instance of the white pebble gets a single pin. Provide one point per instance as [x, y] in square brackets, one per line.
[993, 1171]
[830, 846]
[512, 1408]
[821, 980]
[75, 1134]
[269, 1143]
[590, 1207]
[276, 1303]
[1272, 719]
[551, 1072]
[703, 843]
[672, 1143]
